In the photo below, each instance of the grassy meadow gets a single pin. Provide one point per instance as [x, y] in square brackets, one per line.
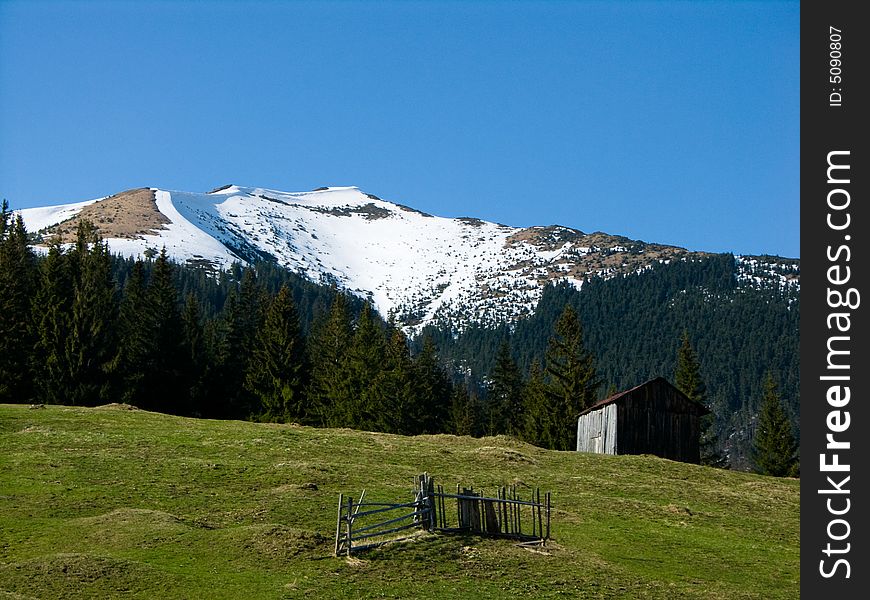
[115, 503]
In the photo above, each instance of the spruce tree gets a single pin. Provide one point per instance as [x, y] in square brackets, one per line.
[51, 322]
[464, 411]
[136, 348]
[432, 389]
[195, 357]
[397, 386]
[276, 372]
[366, 371]
[163, 317]
[240, 320]
[774, 448]
[16, 290]
[687, 379]
[91, 341]
[329, 345]
[573, 379]
[540, 428]
[687, 376]
[504, 394]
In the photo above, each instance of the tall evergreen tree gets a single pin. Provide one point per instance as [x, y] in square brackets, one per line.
[366, 371]
[504, 394]
[774, 448]
[91, 341]
[540, 429]
[688, 379]
[573, 379]
[16, 290]
[164, 319]
[329, 347]
[432, 390]
[51, 323]
[464, 411]
[687, 376]
[136, 348]
[195, 357]
[399, 412]
[240, 320]
[276, 373]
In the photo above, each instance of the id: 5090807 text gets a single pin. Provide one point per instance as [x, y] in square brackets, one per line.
[835, 69]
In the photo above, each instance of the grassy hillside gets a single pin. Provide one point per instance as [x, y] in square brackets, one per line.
[109, 502]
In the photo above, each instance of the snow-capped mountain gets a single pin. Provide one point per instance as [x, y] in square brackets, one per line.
[416, 267]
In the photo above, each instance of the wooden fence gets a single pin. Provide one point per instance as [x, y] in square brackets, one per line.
[362, 525]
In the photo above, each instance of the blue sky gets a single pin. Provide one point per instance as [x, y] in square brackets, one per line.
[672, 122]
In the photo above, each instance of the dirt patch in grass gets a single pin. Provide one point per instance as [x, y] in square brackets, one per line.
[135, 516]
[36, 429]
[291, 488]
[117, 406]
[508, 455]
[130, 214]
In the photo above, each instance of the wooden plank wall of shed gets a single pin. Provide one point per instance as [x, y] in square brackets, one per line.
[596, 431]
[652, 420]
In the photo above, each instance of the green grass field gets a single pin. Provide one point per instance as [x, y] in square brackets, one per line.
[108, 502]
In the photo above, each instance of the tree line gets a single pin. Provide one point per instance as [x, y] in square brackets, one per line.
[634, 326]
[80, 326]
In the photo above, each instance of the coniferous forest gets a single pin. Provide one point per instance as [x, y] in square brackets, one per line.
[83, 327]
[635, 326]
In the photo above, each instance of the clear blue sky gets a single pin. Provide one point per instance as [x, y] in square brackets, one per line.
[673, 122]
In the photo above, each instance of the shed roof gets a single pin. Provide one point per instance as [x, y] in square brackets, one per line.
[703, 410]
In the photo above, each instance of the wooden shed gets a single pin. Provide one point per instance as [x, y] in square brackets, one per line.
[652, 418]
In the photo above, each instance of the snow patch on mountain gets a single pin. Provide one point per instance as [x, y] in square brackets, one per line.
[413, 266]
[37, 219]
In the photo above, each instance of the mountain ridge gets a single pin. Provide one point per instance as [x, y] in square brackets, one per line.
[416, 268]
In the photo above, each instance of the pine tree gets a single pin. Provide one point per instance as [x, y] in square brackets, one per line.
[240, 320]
[774, 448]
[91, 341]
[149, 365]
[432, 390]
[464, 411]
[687, 379]
[163, 317]
[195, 357]
[51, 321]
[397, 386]
[687, 376]
[132, 365]
[276, 372]
[16, 289]
[504, 394]
[329, 346]
[540, 428]
[573, 379]
[366, 371]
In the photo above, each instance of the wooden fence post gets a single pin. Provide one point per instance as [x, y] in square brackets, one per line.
[338, 523]
[534, 519]
[548, 517]
[349, 525]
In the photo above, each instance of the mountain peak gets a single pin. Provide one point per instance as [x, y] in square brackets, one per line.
[413, 266]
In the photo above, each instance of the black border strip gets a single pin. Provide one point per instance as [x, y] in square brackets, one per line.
[835, 224]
